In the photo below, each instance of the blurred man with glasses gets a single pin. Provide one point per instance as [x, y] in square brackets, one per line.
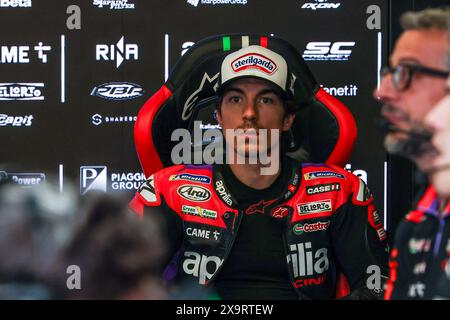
[412, 84]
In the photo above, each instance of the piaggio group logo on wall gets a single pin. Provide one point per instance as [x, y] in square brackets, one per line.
[97, 178]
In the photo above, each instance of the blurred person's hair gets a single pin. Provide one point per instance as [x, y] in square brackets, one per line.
[120, 255]
[431, 18]
[35, 223]
[428, 19]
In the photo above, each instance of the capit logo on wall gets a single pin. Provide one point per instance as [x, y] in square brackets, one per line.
[118, 52]
[113, 4]
[98, 119]
[118, 91]
[15, 3]
[16, 121]
[328, 51]
[21, 54]
[97, 178]
[321, 4]
[195, 3]
[21, 91]
[23, 179]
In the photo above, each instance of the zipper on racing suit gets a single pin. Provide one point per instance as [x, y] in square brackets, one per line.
[234, 229]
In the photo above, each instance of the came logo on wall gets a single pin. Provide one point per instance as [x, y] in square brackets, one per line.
[21, 54]
[97, 178]
[23, 179]
[98, 119]
[21, 91]
[15, 3]
[195, 3]
[118, 52]
[113, 4]
[16, 121]
[118, 91]
[321, 4]
[328, 51]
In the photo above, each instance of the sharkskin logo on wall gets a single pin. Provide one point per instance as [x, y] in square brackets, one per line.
[118, 91]
[98, 119]
[195, 3]
[23, 179]
[96, 178]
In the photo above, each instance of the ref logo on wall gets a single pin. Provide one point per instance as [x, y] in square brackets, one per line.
[98, 119]
[15, 3]
[118, 52]
[97, 178]
[118, 91]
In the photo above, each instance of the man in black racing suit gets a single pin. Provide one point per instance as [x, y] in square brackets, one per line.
[294, 233]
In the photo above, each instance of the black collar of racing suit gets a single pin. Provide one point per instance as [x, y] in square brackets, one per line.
[223, 191]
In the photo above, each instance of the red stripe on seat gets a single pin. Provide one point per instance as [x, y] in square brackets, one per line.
[143, 137]
[347, 128]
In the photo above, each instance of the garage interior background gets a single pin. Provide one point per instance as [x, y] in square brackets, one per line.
[64, 66]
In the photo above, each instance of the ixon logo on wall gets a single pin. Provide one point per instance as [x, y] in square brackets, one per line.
[97, 178]
[321, 4]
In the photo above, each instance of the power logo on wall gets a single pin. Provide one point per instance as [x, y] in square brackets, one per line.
[23, 179]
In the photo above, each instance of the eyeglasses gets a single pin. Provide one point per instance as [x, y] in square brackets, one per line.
[402, 74]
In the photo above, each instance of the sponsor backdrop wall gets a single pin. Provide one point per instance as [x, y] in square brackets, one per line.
[75, 73]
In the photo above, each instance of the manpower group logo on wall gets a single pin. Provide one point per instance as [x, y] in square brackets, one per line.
[96, 178]
[195, 3]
